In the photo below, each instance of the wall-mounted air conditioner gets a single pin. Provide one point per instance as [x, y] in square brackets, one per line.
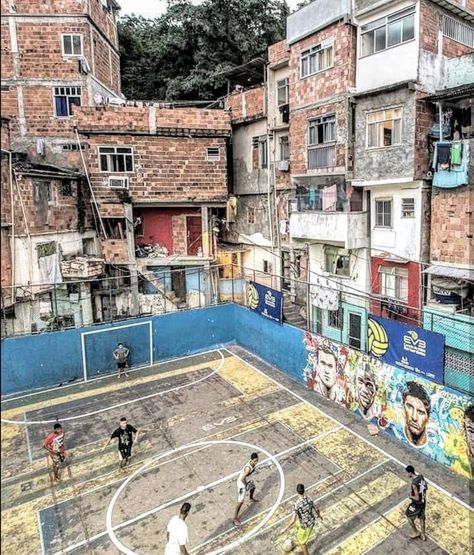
[118, 182]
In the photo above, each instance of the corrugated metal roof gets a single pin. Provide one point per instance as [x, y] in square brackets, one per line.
[449, 271]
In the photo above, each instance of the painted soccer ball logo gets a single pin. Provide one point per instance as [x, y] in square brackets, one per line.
[378, 339]
[252, 297]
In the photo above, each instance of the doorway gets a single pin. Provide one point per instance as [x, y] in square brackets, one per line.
[193, 235]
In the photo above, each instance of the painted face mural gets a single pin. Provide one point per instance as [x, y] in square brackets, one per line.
[416, 407]
[435, 419]
[365, 388]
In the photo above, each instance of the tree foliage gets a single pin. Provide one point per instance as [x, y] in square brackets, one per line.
[182, 54]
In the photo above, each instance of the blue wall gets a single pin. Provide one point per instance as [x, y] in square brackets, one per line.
[48, 359]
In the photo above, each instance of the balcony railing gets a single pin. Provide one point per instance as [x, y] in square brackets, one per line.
[321, 157]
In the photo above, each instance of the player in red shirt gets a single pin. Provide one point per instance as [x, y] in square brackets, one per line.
[54, 444]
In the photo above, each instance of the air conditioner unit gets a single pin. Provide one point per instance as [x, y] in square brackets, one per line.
[118, 182]
[283, 165]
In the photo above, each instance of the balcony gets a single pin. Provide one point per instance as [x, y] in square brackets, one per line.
[82, 267]
[451, 163]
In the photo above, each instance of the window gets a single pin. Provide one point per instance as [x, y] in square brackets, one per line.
[46, 249]
[457, 31]
[72, 45]
[267, 267]
[250, 215]
[408, 207]
[284, 148]
[317, 58]
[384, 128]
[42, 191]
[394, 283]
[337, 261]
[69, 189]
[263, 155]
[64, 99]
[213, 153]
[383, 213]
[282, 92]
[321, 142]
[116, 159]
[388, 31]
[336, 318]
[74, 146]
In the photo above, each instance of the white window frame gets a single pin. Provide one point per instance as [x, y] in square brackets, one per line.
[284, 144]
[325, 121]
[408, 212]
[390, 283]
[315, 51]
[108, 154]
[69, 92]
[285, 85]
[383, 225]
[263, 152]
[213, 157]
[379, 127]
[331, 257]
[73, 54]
[383, 24]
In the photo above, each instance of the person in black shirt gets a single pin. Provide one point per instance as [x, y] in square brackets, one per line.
[127, 435]
[416, 508]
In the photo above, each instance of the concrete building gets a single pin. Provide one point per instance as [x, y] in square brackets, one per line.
[329, 215]
[394, 143]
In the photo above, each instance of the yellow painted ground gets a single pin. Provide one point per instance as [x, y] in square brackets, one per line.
[247, 380]
[303, 420]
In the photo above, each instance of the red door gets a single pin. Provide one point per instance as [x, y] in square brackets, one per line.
[194, 234]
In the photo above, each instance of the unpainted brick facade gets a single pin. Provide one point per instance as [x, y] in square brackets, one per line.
[452, 227]
[170, 168]
[246, 105]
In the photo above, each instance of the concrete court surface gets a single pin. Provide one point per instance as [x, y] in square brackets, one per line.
[222, 396]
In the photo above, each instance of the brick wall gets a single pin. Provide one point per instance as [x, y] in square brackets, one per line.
[424, 119]
[329, 82]
[451, 225]
[278, 52]
[246, 104]
[179, 234]
[6, 60]
[431, 17]
[115, 251]
[299, 134]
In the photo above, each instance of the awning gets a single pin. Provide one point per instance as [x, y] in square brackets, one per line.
[450, 271]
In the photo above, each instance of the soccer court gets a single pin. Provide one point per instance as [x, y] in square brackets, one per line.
[200, 417]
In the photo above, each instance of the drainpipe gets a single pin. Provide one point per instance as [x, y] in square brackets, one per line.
[10, 177]
[269, 184]
[440, 113]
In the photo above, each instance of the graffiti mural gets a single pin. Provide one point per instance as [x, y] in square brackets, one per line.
[430, 417]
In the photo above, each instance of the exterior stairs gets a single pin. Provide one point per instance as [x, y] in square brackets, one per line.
[293, 313]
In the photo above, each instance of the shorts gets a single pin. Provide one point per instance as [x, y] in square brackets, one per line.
[242, 489]
[121, 364]
[416, 510]
[125, 452]
[302, 534]
[58, 459]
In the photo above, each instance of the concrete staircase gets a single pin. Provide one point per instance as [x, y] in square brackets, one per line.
[169, 295]
[292, 313]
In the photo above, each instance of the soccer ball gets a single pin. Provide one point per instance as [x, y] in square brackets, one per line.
[288, 545]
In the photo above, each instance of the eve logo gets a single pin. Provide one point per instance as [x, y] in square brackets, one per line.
[226, 420]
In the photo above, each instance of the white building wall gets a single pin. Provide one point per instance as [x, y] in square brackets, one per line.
[403, 239]
[352, 287]
[393, 65]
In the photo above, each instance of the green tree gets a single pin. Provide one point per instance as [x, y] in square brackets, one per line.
[182, 54]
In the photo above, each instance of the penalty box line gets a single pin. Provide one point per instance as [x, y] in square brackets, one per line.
[200, 489]
[362, 438]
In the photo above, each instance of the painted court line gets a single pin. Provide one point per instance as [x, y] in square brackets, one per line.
[187, 495]
[40, 531]
[98, 411]
[110, 375]
[28, 445]
[228, 547]
[376, 447]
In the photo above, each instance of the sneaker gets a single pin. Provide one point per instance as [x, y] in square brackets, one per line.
[127, 375]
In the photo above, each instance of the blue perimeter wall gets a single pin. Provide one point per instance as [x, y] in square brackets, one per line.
[49, 359]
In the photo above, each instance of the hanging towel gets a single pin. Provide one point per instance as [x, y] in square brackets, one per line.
[443, 153]
[330, 198]
[456, 153]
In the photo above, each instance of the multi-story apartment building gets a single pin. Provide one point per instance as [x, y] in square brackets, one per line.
[405, 50]
[56, 55]
[329, 214]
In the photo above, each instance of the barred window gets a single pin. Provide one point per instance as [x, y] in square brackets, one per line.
[454, 29]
